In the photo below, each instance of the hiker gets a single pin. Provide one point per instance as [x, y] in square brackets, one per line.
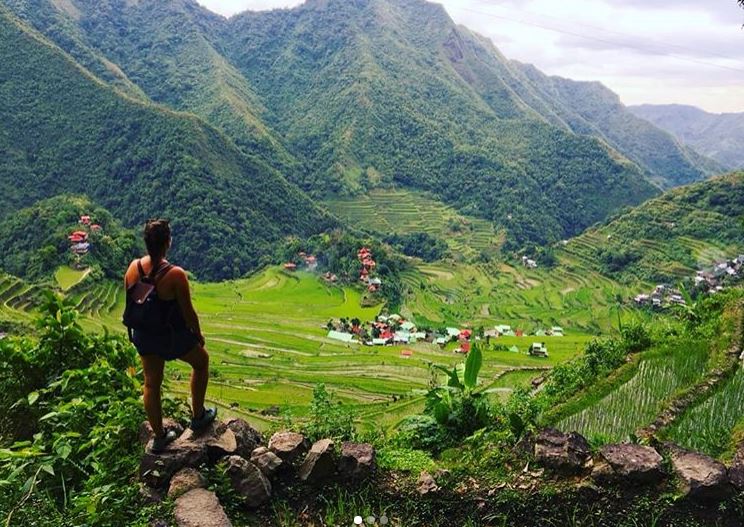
[163, 326]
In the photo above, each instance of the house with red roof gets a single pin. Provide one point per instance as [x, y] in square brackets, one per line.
[290, 266]
[96, 228]
[85, 220]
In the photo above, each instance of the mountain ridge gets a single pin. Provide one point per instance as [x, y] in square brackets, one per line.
[720, 136]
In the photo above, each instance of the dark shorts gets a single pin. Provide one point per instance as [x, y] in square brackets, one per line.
[169, 347]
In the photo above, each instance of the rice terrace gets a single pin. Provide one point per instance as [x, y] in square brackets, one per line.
[321, 263]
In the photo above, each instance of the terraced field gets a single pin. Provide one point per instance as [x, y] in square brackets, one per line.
[267, 339]
[17, 298]
[707, 426]
[580, 300]
[403, 211]
[635, 403]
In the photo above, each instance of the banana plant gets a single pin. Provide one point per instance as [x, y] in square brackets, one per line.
[459, 406]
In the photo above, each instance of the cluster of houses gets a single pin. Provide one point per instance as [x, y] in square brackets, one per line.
[388, 330]
[368, 264]
[307, 261]
[710, 281]
[79, 239]
[663, 295]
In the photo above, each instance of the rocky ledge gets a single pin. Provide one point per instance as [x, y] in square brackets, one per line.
[699, 477]
[252, 468]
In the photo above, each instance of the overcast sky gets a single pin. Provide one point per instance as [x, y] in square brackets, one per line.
[648, 51]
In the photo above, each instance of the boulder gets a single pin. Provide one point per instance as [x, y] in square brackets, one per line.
[357, 460]
[157, 469]
[218, 440]
[736, 471]
[200, 508]
[145, 430]
[629, 462]
[564, 453]
[426, 484]
[185, 480]
[320, 463]
[248, 481]
[289, 446]
[702, 477]
[246, 437]
[267, 462]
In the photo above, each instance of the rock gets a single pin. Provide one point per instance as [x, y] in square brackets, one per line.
[247, 437]
[145, 430]
[736, 471]
[357, 460]
[703, 478]
[564, 453]
[248, 481]
[200, 508]
[289, 446]
[185, 480]
[426, 484]
[267, 462]
[156, 469]
[320, 462]
[150, 495]
[271, 410]
[218, 440]
[629, 462]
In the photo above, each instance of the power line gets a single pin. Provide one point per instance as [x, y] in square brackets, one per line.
[604, 41]
[614, 32]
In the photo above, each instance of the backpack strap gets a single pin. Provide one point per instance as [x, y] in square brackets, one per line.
[161, 272]
[140, 269]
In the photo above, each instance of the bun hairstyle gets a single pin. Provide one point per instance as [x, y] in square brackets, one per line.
[157, 237]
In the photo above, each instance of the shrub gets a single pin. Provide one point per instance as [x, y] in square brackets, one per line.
[328, 418]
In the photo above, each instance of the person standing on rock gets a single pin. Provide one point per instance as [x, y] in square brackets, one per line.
[164, 326]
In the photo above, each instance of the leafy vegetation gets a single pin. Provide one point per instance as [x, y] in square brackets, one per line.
[420, 245]
[72, 411]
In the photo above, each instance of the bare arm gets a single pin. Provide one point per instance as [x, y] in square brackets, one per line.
[183, 296]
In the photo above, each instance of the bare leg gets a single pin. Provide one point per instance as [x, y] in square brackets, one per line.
[153, 366]
[199, 361]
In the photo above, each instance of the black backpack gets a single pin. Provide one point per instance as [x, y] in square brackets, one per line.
[144, 311]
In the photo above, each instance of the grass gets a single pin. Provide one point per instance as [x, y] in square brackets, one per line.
[67, 277]
[635, 403]
[267, 339]
[707, 426]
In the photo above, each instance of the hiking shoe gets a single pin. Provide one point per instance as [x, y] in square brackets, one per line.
[207, 417]
[160, 443]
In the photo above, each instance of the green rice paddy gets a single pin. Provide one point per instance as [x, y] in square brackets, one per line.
[661, 373]
[707, 426]
[67, 277]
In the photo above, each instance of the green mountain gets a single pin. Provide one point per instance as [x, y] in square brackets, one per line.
[672, 236]
[34, 240]
[719, 136]
[589, 108]
[377, 93]
[66, 132]
[342, 97]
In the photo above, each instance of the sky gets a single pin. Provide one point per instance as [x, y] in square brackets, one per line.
[647, 51]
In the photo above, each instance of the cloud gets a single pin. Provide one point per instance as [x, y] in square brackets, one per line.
[684, 51]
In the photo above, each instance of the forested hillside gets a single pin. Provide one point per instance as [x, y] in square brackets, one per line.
[719, 136]
[64, 131]
[346, 96]
[591, 108]
[672, 236]
[34, 241]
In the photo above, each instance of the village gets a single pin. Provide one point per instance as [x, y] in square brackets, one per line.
[393, 329]
[709, 281]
